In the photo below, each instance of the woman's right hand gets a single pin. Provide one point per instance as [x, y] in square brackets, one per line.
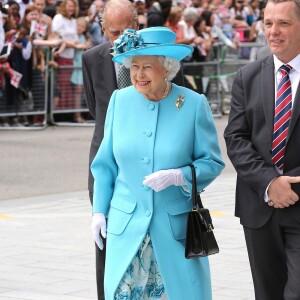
[162, 179]
[98, 226]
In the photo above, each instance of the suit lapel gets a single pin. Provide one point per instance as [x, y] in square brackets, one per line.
[268, 93]
[109, 73]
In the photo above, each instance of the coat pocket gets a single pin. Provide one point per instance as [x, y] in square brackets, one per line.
[178, 210]
[120, 213]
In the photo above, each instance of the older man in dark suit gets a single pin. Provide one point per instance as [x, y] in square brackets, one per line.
[263, 144]
[100, 80]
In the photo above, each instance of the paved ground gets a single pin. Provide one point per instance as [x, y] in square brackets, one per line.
[46, 251]
[50, 161]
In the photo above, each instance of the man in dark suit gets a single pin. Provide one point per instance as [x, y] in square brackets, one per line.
[100, 80]
[267, 190]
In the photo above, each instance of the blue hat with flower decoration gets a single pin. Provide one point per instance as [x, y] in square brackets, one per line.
[149, 41]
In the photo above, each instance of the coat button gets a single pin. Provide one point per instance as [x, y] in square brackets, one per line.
[146, 160]
[151, 106]
[147, 213]
[148, 133]
[146, 187]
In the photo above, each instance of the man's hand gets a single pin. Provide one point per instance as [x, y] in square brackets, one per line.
[280, 193]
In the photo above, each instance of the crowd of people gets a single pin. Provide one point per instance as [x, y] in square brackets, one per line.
[69, 27]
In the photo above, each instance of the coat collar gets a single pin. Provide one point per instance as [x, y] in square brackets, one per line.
[108, 68]
[268, 92]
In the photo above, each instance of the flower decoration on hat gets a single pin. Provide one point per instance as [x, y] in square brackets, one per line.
[129, 40]
[150, 41]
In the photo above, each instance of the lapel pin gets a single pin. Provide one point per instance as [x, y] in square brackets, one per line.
[179, 102]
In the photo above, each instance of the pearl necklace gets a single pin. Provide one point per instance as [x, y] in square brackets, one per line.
[167, 90]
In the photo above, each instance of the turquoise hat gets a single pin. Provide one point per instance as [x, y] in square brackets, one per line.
[149, 41]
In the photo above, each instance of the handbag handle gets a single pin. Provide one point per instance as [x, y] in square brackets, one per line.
[195, 196]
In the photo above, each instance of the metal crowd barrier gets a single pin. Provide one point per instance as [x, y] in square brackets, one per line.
[25, 109]
[214, 78]
[56, 99]
[48, 100]
[67, 103]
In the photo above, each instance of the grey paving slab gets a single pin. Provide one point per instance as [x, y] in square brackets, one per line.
[231, 276]
[47, 252]
[46, 249]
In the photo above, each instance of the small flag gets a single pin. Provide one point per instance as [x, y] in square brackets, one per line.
[39, 29]
[15, 79]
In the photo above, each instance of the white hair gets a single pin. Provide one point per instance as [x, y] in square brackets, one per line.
[190, 13]
[172, 65]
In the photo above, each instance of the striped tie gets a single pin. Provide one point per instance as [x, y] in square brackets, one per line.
[282, 117]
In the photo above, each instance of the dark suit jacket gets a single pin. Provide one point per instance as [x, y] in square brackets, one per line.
[248, 136]
[99, 79]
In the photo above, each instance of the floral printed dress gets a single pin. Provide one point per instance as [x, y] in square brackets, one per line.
[142, 279]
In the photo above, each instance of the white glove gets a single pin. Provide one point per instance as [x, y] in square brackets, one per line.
[98, 225]
[164, 178]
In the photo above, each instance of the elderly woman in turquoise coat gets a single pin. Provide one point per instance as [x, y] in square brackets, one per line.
[154, 130]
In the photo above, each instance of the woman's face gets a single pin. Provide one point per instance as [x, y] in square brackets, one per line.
[178, 17]
[70, 8]
[21, 34]
[202, 26]
[212, 20]
[81, 27]
[41, 4]
[239, 4]
[191, 22]
[228, 3]
[13, 9]
[32, 16]
[148, 76]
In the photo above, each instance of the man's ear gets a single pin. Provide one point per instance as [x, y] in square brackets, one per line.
[103, 29]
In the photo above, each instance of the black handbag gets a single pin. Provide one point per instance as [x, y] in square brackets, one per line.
[200, 239]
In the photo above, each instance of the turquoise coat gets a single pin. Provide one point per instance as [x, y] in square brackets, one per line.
[141, 137]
